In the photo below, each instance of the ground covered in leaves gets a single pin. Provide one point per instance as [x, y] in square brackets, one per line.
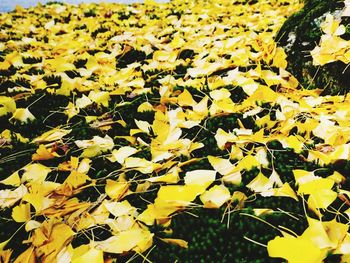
[168, 133]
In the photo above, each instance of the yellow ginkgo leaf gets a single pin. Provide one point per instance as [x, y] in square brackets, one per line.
[215, 197]
[116, 190]
[149, 215]
[120, 208]
[222, 166]
[52, 135]
[65, 255]
[95, 146]
[32, 172]
[146, 106]
[7, 105]
[84, 165]
[248, 162]
[275, 179]
[83, 102]
[10, 197]
[175, 241]
[122, 153]
[302, 176]
[35, 172]
[260, 184]
[38, 200]
[161, 55]
[28, 256]
[134, 239]
[179, 194]
[32, 224]
[185, 99]
[144, 126]
[50, 238]
[220, 94]
[85, 253]
[321, 199]
[71, 110]
[285, 191]
[171, 177]
[264, 93]
[337, 177]
[141, 165]
[14, 59]
[5, 255]
[335, 153]
[295, 250]
[22, 115]
[59, 64]
[200, 177]
[14, 180]
[42, 153]
[315, 185]
[99, 97]
[3, 244]
[295, 142]
[279, 60]
[201, 108]
[317, 233]
[21, 213]
[226, 168]
[332, 27]
[223, 137]
[67, 86]
[76, 179]
[4, 65]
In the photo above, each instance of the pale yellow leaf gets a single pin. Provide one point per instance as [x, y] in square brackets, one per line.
[83, 102]
[35, 172]
[122, 153]
[10, 197]
[95, 146]
[141, 165]
[171, 177]
[200, 177]
[119, 208]
[52, 135]
[22, 115]
[215, 197]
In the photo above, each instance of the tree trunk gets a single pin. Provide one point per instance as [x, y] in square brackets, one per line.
[301, 33]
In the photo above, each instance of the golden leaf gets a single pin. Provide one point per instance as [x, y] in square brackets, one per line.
[85, 253]
[21, 213]
[116, 190]
[134, 239]
[7, 105]
[175, 241]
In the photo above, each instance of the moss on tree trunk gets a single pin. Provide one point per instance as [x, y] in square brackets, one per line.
[300, 34]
